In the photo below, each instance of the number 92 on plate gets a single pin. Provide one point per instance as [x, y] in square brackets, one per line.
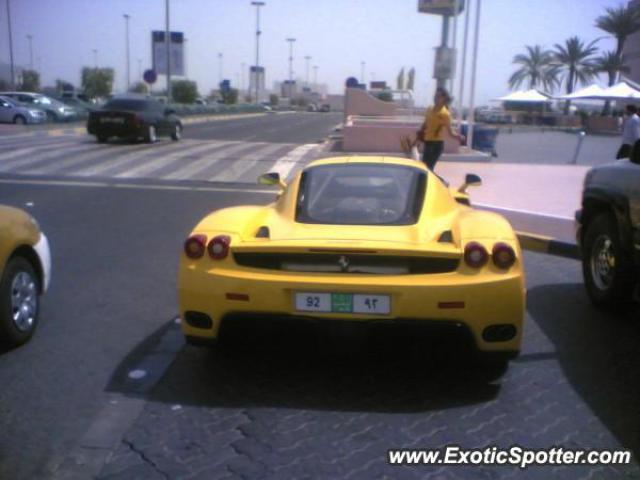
[343, 303]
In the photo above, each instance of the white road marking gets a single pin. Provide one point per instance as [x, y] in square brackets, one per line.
[285, 164]
[236, 168]
[24, 152]
[166, 159]
[527, 212]
[191, 170]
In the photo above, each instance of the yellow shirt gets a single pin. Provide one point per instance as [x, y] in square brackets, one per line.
[437, 122]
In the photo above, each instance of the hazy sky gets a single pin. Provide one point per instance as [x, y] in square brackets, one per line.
[338, 34]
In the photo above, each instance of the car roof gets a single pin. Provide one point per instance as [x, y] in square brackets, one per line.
[382, 160]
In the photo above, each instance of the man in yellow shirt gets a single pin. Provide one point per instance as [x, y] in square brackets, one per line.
[436, 121]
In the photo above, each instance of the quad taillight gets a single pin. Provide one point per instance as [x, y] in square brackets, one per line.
[195, 246]
[219, 247]
[475, 255]
[502, 255]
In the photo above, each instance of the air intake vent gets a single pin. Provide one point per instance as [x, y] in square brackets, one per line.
[263, 232]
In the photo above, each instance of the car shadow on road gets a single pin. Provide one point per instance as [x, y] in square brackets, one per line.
[599, 353]
[385, 369]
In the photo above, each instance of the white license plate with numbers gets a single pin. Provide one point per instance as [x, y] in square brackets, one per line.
[343, 303]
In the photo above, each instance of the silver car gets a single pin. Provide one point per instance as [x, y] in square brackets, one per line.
[56, 111]
[12, 111]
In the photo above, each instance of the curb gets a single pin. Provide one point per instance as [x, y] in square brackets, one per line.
[548, 245]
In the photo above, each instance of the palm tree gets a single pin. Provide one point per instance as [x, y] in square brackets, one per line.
[536, 68]
[620, 22]
[575, 59]
[611, 64]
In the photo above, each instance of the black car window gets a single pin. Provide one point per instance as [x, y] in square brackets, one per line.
[361, 194]
[132, 105]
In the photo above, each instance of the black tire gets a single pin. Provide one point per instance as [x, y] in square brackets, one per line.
[13, 334]
[177, 132]
[102, 138]
[151, 135]
[19, 120]
[607, 268]
[51, 117]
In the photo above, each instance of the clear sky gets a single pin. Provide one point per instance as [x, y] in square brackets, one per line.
[337, 34]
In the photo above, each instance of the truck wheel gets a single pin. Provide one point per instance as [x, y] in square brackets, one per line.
[19, 302]
[151, 135]
[19, 120]
[607, 269]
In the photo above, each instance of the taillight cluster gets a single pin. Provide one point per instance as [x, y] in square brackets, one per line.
[196, 245]
[502, 255]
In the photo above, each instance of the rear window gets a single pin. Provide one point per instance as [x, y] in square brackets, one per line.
[131, 105]
[361, 194]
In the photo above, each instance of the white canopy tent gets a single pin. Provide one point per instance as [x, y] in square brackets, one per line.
[620, 91]
[533, 96]
[584, 93]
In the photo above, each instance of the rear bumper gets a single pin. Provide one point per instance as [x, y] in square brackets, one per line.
[115, 131]
[489, 299]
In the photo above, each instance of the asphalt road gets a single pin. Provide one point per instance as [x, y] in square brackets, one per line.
[283, 407]
[276, 128]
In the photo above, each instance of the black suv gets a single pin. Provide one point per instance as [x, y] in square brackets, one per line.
[609, 232]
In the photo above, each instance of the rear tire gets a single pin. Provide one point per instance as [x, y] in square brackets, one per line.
[19, 302]
[151, 135]
[19, 120]
[607, 269]
[177, 132]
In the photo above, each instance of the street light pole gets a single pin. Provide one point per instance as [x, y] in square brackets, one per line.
[291, 42]
[464, 64]
[258, 32]
[474, 64]
[30, 38]
[13, 75]
[307, 58]
[167, 39]
[242, 67]
[315, 75]
[362, 64]
[220, 75]
[95, 56]
[126, 39]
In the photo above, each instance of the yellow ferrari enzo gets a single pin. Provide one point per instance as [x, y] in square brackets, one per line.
[358, 239]
[25, 271]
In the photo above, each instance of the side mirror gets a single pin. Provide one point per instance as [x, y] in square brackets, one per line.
[271, 178]
[470, 180]
[169, 111]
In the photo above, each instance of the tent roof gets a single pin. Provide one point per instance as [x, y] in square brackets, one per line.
[620, 91]
[588, 92]
[532, 95]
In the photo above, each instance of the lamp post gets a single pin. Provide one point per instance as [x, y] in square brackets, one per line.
[315, 75]
[220, 75]
[126, 41]
[13, 75]
[291, 42]
[258, 32]
[362, 64]
[95, 57]
[140, 69]
[167, 39]
[307, 58]
[30, 38]
[242, 67]
[474, 64]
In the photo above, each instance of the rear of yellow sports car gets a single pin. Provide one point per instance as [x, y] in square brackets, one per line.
[445, 263]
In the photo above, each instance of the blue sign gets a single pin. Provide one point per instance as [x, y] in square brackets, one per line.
[225, 86]
[352, 82]
[150, 76]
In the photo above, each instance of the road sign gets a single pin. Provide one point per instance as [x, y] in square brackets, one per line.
[150, 76]
[440, 7]
[159, 52]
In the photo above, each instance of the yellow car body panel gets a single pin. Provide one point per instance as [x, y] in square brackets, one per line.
[489, 295]
[17, 228]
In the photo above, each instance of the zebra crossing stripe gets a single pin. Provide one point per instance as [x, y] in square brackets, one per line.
[285, 164]
[27, 157]
[23, 152]
[235, 168]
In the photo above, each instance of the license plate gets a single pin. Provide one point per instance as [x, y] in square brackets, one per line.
[112, 120]
[343, 303]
